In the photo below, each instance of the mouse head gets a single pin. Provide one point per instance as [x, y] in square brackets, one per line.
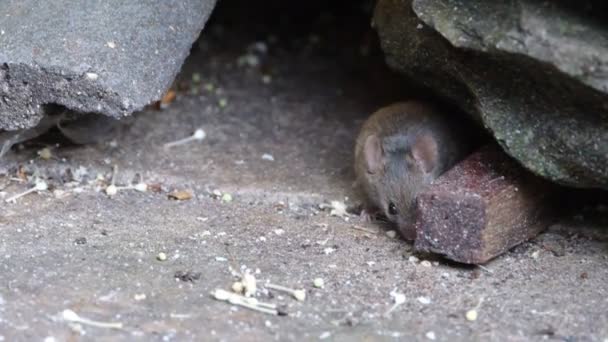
[397, 169]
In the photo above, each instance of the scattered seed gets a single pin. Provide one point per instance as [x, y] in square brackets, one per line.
[413, 259]
[398, 299]
[324, 335]
[199, 135]
[318, 283]
[71, 316]
[238, 287]
[111, 190]
[39, 186]
[45, 153]
[391, 234]
[227, 198]
[279, 231]
[111, 45]
[267, 156]
[222, 103]
[471, 315]
[141, 187]
[250, 303]
[338, 208]
[209, 87]
[426, 263]
[196, 77]
[180, 195]
[92, 76]
[249, 284]
[298, 294]
[424, 300]
[431, 335]
[161, 256]
[139, 296]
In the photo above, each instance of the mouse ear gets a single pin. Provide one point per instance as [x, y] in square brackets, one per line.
[373, 154]
[424, 152]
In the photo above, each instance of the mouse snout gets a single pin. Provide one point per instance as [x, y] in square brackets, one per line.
[407, 229]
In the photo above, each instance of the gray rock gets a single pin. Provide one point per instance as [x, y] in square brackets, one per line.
[111, 57]
[534, 73]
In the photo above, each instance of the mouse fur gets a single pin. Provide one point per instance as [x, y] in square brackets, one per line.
[402, 149]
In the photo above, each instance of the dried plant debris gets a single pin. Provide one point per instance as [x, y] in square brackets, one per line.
[247, 285]
[198, 135]
[398, 299]
[180, 195]
[168, 98]
[297, 294]
[472, 314]
[38, 187]
[247, 302]
[187, 276]
[72, 317]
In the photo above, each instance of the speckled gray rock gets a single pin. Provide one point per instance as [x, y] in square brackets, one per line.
[534, 73]
[111, 57]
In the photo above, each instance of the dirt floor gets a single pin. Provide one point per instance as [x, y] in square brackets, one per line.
[280, 126]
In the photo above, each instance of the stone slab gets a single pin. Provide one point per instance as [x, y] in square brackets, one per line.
[111, 57]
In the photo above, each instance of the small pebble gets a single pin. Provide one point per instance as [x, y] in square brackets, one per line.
[139, 296]
[279, 232]
[431, 335]
[413, 259]
[161, 256]
[318, 283]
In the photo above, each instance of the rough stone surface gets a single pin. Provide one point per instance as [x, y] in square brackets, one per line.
[534, 73]
[111, 57]
[482, 207]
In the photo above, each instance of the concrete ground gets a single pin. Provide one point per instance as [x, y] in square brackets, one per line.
[280, 127]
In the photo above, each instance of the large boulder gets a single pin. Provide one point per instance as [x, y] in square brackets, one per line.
[535, 73]
[111, 57]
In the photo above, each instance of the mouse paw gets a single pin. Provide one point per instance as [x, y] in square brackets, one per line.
[368, 215]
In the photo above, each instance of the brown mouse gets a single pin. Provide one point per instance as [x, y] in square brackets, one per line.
[400, 150]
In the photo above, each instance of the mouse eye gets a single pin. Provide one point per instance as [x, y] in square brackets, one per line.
[392, 208]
